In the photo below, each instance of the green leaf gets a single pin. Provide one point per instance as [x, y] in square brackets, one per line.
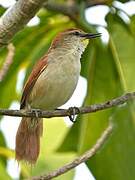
[2, 10]
[117, 153]
[116, 19]
[122, 46]
[8, 92]
[3, 174]
[116, 160]
[72, 136]
[2, 144]
[103, 85]
[132, 25]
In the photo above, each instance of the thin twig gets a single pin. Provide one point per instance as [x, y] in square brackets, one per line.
[83, 158]
[8, 61]
[66, 112]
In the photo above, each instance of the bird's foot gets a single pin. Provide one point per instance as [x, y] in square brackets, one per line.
[36, 112]
[73, 111]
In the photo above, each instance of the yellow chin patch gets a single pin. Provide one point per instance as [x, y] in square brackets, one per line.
[85, 42]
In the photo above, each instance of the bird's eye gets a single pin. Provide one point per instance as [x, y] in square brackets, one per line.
[76, 33]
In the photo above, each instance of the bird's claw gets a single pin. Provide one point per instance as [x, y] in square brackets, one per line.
[36, 112]
[73, 111]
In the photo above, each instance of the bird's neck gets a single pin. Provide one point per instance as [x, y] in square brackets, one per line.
[72, 52]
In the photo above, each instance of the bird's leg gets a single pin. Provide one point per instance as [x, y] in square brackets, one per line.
[32, 110]
[73, 111]
[29, 109]
[34, 120]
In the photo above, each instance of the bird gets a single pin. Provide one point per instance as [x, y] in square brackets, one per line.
[49, 86]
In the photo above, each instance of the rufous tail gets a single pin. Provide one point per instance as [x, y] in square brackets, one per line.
[28, 139]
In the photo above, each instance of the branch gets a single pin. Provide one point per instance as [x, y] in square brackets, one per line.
[83, 158]
[15, 18]
[8, 61]
[67, 112]
[70, 10]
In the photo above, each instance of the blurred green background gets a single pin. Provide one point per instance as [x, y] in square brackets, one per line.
[109, 68]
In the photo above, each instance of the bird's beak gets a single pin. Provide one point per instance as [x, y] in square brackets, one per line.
[90, 35]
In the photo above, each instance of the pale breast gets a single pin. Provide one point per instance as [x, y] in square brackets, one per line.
[56, 84]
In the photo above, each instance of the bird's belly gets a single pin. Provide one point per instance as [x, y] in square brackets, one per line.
[54, 86]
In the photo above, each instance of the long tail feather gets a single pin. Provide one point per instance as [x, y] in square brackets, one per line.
[28, 139]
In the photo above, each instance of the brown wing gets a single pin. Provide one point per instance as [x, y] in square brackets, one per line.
[37, 70]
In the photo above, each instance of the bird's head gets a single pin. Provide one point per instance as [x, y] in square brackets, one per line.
[73, 39]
